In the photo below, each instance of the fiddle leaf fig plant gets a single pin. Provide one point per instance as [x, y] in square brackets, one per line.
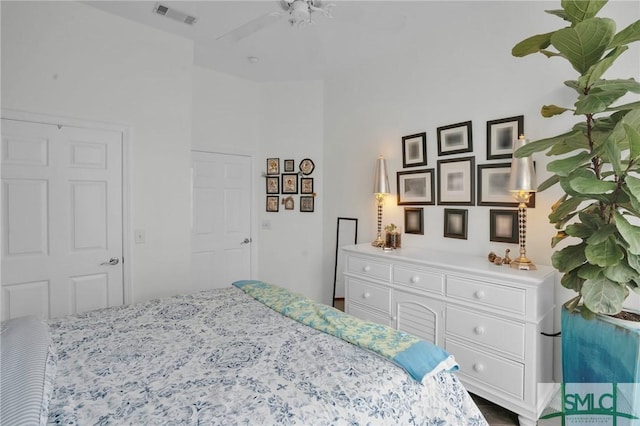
[598, 160]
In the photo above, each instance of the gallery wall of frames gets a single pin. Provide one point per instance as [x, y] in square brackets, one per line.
[289, 184]
[459, 179]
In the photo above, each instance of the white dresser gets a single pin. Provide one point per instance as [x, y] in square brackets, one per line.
[489, 317]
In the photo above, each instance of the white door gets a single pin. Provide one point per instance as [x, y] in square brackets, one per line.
[61, 219]
[221, 219]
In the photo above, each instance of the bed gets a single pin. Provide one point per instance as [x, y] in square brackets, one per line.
[225, 357]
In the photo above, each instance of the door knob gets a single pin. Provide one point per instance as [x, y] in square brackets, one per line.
[246, 241]
[113, 261]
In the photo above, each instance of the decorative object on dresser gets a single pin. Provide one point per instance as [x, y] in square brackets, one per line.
[392, 236]
[380, 188]
[599, 208]
[455, 139]
[522, 184]
[489, 318]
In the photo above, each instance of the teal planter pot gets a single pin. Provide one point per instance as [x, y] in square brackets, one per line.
[603, 351]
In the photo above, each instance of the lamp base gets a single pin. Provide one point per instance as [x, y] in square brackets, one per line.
[379, 242]
[523, 264]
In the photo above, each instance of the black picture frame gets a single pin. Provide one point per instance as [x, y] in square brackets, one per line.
[456, 181]
[289, 202]
[414, 150]
[501, 134]
[306, 185]
[307, 203]
[414, 220]
[493, 181]
[273, 184]
[503, 226]
[455, 223]
[306, 166]
[289, 183]
[273, 166]
[289, 166]
[416, 187]
[455, 138]
[273, 203]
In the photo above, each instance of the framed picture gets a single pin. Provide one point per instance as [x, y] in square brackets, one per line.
[273, 202]
[501, 134]
[273, 166]
[273, 185]
[306, 185]
[503, 226]
[307, 166]
[414, 150]
[306, 203]
[416, 187]
[289, 166]
[493, 186]
[289, 183]
[455, 223]
[289, 203]
[456, 181]
[413, 221]
[455, 138]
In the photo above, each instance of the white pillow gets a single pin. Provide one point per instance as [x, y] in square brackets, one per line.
[28, 364]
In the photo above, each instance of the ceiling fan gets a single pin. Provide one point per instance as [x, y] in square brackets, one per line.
[298, 11]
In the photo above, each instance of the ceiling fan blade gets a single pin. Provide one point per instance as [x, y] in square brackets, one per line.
[252, 26]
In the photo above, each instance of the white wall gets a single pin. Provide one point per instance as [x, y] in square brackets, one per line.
[466, 73]
[69, 59]
[292, 128]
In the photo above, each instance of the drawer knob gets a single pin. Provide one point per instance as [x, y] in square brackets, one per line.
[479, 294]
[366, 295]
[479, 330]
[415, 279]
[478, 368]
[366, 268]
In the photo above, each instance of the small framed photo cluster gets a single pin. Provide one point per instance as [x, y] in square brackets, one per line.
[288, 183]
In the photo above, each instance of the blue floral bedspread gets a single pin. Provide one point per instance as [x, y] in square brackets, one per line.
[222, 358]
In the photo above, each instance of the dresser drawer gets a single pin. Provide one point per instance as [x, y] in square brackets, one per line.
[419, 279]
[501, 374]
[366, 294]
[499, 334]
[369, 268]
[367, 315]
[493, 295]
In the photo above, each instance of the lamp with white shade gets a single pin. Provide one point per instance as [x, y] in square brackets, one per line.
[522, 184]
[380, 188]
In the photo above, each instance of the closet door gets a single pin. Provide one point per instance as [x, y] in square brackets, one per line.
[221, 219]
[61, 219]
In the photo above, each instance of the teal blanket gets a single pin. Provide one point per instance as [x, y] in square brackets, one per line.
[417, 357]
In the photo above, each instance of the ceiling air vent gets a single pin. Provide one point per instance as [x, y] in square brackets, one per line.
[176, 15]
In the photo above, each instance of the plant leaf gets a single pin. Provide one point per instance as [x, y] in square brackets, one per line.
[572, 281]
[531, 45]
[594, 73]
[569, 258]
[634, 142]
[589, 271]
[606, 253]
[597, 101]
[633, 185]
[601, 234]
[601, 295]
[584, 44]
[620, 273]
[564, 208]
[579, 230]
[550, 110]
[629, 232]
[561, 235]
[579, 10]
[542, 144]
[548, 183]
[634, 262]
[625, 107]
[592, 185]
[627, 35]
[565, 166]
